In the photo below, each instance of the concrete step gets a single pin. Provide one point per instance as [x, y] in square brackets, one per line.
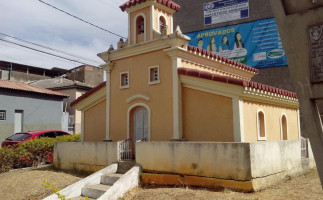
[94, 191]
[110, 179]
[125, 166]
[80, 198]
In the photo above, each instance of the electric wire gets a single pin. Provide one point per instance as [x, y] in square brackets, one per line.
[44, 52]
[82, 19]
[35, 52]
[50, 48]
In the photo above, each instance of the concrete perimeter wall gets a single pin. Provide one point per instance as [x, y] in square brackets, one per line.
[87, 156]
[221, 160]
[230, 161]
[269, 158]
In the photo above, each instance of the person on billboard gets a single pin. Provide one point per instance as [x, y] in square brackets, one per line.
[238, 42]
[200, 43]
[211, 46]
[224, 44]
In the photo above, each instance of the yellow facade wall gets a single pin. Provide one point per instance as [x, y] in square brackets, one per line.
[272, 121]
[94, 123]
[206, 116]
[160, 103]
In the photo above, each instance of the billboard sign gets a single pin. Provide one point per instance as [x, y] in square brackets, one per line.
[256, 44]
[225, 10]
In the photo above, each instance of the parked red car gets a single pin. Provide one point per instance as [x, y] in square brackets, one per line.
[31, 135]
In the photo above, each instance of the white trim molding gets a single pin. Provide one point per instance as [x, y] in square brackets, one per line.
[108, 83]
[108, 67]
[238, 119]
[91, 100]
[177, 99]
[129, 31]
[128, 117]
[152, 15]
[138, 97]
[258, 125]
[82, 126]
[283, 114]
[299, 124]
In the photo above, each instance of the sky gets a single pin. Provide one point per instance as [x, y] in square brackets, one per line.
[36, 22]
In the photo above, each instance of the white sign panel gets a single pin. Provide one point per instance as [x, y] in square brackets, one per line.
[225, 10]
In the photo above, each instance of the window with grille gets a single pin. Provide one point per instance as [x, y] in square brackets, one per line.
[2, 115]
[124, 80]
[154, 75]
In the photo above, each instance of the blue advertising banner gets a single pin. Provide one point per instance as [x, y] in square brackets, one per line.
[225, 10]
[256, 44]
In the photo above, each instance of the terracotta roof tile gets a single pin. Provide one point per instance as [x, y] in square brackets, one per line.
[226, 60]
[85, 95]
[167, 3]
[234, 81]
[59, 82]
[20, 86]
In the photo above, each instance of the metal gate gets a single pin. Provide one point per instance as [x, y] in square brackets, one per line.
[125, 150]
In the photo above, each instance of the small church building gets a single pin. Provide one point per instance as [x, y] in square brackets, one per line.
[159, 88]
[186, 115]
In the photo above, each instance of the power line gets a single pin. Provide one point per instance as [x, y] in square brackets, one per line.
[50, 48]
[82, 19]
[58, 56]
[38, 53]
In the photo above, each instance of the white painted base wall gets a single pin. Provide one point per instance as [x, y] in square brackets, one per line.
[230, 161]
[85, 156]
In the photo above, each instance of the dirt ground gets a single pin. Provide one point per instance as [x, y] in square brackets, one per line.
[27, 185]
[306, 187]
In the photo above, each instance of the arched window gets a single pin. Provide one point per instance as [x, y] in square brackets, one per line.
[162, 24]
[140, 22]
[261, 125]
[283, 128]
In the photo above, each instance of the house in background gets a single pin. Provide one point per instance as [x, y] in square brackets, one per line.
[73, 89]
[74, 83]
[25, 107]
[87, 74]
[26, 73]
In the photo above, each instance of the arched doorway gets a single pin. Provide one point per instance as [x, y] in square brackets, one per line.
[138, 125]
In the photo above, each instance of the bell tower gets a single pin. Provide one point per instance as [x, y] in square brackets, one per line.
[149, 19]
